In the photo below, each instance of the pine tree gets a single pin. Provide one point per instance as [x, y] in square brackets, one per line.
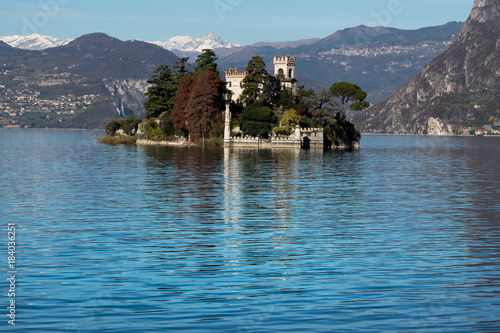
[351, 96]
[256, 82]
[161, 93]
[181, 69]
[205, 62]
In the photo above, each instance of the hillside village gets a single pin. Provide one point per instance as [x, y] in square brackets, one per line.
[42, 96]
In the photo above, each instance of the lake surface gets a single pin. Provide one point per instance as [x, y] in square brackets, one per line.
[400, 236]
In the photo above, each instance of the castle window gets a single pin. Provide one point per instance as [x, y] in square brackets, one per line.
[290, 72]
[280, 71]
[229, 84]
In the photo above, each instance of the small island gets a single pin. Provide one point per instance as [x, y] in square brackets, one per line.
[248, 109]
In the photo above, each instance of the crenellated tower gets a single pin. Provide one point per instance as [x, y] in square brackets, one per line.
[284, 71]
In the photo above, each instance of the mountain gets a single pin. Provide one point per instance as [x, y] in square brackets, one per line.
[380, 60]
[108, 74]
[290, 44]
[178, 43]
[34, 42]
[192, 44]
[459, 87]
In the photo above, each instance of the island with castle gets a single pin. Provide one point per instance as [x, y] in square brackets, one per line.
[283, 79]
[250, 109]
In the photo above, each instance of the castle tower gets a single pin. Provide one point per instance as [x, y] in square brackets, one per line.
[284, 71]
[234, 81]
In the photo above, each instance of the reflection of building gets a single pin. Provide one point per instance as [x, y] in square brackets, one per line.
[284, 77]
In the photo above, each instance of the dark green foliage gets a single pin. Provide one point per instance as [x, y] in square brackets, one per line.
[255, 128]
[206, 62]
[181, 69]
[113, 126]
[166, 125]
[256, 82]
[257, 113]
[256, 119]
[286, 100]
[340, 132]
[161, 94]
[350, 95]
[130, 124]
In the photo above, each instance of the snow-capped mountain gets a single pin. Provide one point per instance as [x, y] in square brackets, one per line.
[192, 44]
[34, 42]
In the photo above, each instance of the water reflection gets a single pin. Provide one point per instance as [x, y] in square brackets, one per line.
[402, 235]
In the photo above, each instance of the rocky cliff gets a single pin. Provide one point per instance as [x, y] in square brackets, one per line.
[471, 63]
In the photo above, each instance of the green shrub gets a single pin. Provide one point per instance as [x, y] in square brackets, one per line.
[286, 131]
[130, 124]
[257, 113]
[113, 126]
[117, 139]
[255, 128]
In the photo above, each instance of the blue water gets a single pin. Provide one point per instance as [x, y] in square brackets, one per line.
[400, 236]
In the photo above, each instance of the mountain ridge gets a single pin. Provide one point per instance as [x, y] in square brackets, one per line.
[119, 69]
[471, 63]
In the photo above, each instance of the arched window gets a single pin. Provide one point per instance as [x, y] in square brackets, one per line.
[290, 73]
[229, 84]
[281, 72]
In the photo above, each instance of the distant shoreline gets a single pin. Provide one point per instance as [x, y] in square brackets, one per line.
[53, 129]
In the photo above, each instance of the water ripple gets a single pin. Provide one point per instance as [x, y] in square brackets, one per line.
[402, 236]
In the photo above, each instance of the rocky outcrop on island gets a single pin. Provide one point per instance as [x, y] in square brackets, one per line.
[425, 105]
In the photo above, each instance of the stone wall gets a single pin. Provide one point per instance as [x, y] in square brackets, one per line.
[302, 138]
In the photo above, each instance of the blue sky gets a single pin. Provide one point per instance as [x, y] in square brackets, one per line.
[238, 21]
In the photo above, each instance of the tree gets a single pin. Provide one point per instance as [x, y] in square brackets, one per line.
[286, 100]
[290, 118]
[161, 93]
[181, 70]
[113, 126]
[203, 110]
[130, 124]
[320, 104]
[257, 80]
[256, 119]
[178, 115]
[351, 96]
[206, 62]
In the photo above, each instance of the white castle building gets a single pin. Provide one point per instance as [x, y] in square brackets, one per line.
[284, 76]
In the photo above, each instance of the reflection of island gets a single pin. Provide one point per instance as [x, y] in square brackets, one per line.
[186, 180]
[271, 177]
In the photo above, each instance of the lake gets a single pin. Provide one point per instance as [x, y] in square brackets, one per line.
[400, 236]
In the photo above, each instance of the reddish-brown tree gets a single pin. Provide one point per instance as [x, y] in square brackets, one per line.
[178, 115]
[203, 110]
